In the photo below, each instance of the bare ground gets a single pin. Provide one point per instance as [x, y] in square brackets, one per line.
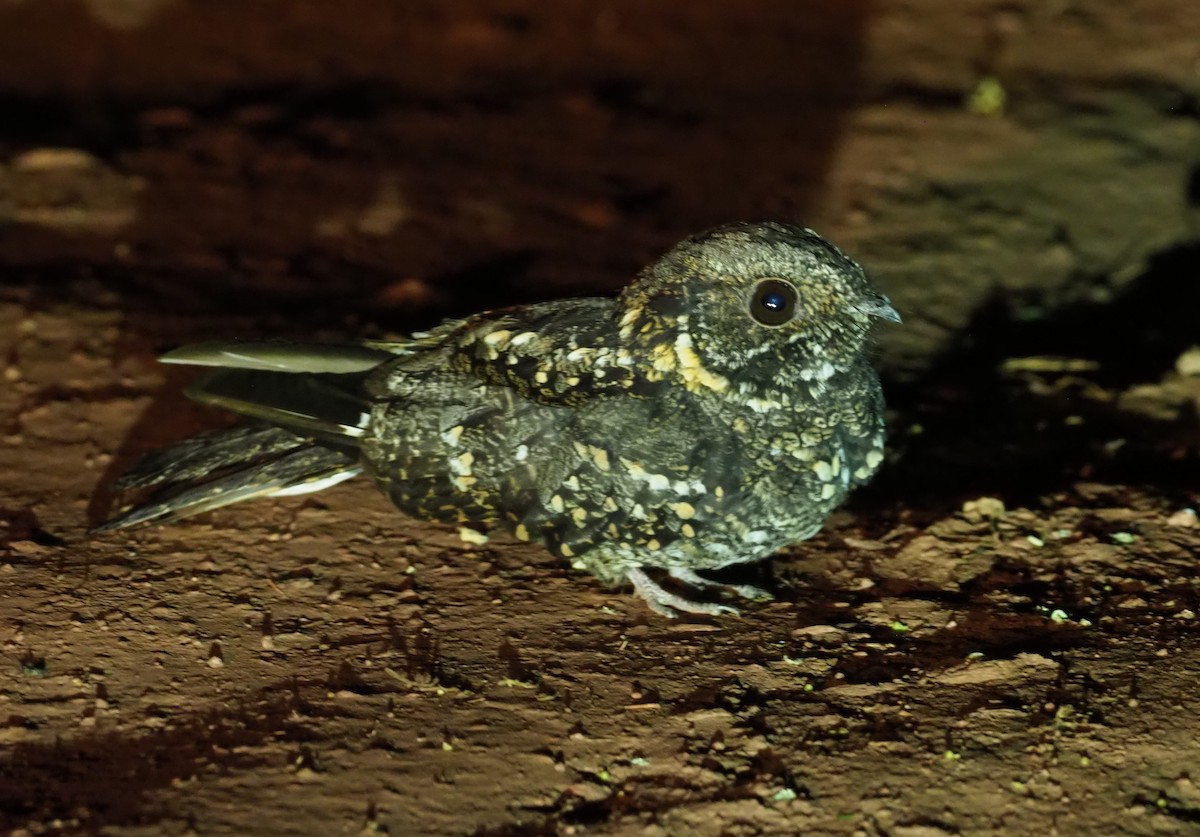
[1000, 635]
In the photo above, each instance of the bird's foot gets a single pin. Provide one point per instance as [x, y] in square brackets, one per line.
[746, 591]
[672, 604]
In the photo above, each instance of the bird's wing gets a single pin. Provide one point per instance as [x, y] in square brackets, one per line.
[560, 353]
[646, 471]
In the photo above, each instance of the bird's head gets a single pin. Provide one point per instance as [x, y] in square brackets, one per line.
[753, 309]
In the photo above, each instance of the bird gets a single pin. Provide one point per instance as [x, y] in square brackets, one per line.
[713, 412]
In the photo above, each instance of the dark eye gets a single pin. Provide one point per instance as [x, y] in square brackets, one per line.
[773, 302]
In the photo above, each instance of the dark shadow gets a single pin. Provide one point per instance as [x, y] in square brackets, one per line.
[1020, 435]
[556, 161]
[22, 524]
[107, 777]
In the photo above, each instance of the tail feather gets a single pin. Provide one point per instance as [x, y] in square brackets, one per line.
[278, 356]
[197, 457]
[297, 471]
[309, 407]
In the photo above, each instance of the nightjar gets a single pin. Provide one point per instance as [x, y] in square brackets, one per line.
[715, 411]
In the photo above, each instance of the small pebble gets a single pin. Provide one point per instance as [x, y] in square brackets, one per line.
[1184, 517]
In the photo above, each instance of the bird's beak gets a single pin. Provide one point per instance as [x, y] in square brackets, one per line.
[877, 306]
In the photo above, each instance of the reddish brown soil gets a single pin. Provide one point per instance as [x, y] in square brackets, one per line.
[1002, 634]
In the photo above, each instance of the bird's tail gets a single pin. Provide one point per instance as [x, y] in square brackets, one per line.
[309, 410]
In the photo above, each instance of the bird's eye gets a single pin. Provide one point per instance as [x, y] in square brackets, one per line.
[773, 302]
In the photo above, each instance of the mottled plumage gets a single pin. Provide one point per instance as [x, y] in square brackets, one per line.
[717, 410]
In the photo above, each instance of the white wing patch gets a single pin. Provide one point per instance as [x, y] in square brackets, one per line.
[316, 485]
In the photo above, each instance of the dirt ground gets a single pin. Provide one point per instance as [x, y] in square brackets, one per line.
[1000, 635]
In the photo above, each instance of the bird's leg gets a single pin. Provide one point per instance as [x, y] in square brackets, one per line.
[746, 591]
[667, 603]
